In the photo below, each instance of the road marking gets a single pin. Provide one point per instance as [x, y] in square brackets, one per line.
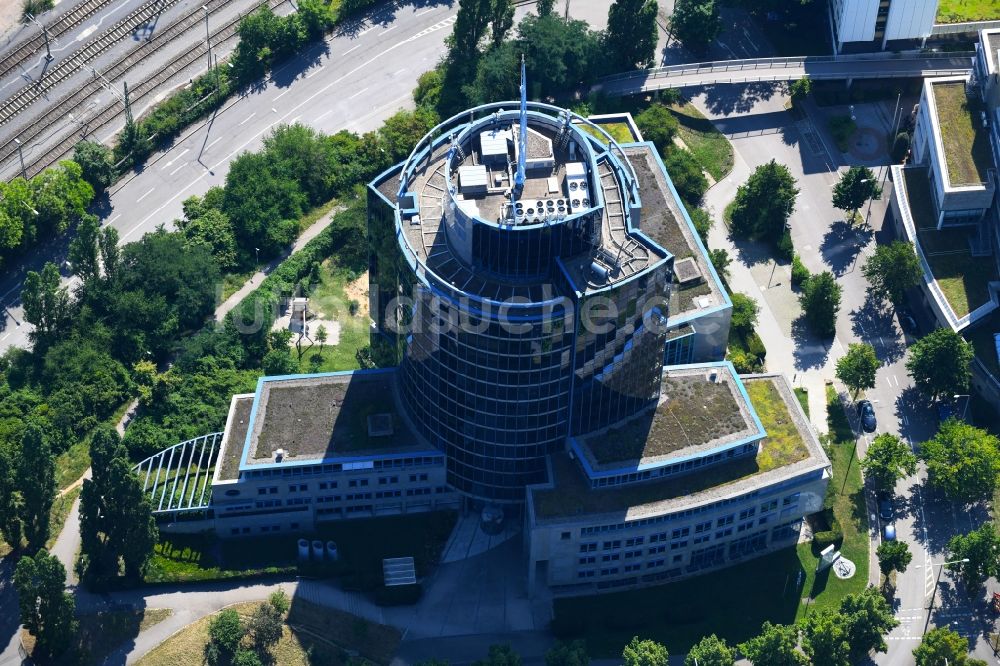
[357, 93]
[4, 337]
[282, 94]
[896, 380]
[177, 169]
[175, 159]
[390, 29]
[352, 49]
[213, 143]
[426, 11]
[316, 70]
[399, 71]
[902, 417]
[145, 195]
[112, 220]
[323, 115]
[294, 120]
[321, 91]
[16, 286]
[887, 381]
[366, 31]
[247, 119]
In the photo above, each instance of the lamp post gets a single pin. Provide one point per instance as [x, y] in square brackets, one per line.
[208, 39]
[967, 398]
[45, 34]
[20, 154]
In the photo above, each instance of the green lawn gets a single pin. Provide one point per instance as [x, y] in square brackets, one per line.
[803, 395]
[330, 298]
[188, 558]
[966, 143]
[960, 11]
[709, 146]
[734, 602]
[619, 131]
[57, 516]
[72, 463]
[963, 279]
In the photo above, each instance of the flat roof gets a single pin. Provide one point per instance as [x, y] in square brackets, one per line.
[324, 416]
[963, 279]
[701, 409]
[237, 425]
[790, 450]
[965, 141]
[665, 224]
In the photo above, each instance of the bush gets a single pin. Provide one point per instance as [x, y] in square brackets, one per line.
[743, 361]
[833, 535]
[785, 249]
[900, 146]
[842, 128]
[755, 346]
[701, 221]
[686, 175]
[799, 271]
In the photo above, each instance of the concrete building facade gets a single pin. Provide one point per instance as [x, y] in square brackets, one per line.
[875, 25]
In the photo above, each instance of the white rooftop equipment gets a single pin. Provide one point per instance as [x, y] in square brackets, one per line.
[494, 145]
[399, 571]
[472, 179]
[577, 188]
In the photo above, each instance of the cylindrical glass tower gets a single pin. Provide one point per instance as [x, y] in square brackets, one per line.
[524, 314]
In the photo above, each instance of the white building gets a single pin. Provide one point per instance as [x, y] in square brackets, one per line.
[867, 25]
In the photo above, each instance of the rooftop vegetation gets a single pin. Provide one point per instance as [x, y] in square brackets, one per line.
[966, 143]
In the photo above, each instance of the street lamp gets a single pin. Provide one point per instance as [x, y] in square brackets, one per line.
[967, 398]
[208, 38]
[20, 154]
[45, 33]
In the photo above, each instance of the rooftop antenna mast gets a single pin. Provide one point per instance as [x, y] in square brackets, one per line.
[522, 139]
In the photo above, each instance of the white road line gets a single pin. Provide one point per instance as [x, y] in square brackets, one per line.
[213, 143]
[177, 169]
[323, 115]
[903, 419]
[400, 71]
[4, 337]
[321, 91]
[294, 120]
[426, 11]
[358, 93]
[151, 190]
[283, 93]
[112, 220]
[175, 159]
[390, 29]
[366, 31]
[247, 119]
[316, 70]
[888, 382]
[352, 49]
[895, 379]
[16, 286]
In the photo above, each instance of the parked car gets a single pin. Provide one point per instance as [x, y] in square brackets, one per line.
[866, 412]
[889, 532]
[885, 508]
[907, 322]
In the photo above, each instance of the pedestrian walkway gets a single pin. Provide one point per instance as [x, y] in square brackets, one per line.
[468, 539]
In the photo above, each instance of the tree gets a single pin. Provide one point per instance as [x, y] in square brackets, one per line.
[776, 645]
[856, 186]
[982, 548]
[888, 460]
[321, 336]
[868, 618]
[60, 196]
[46, 304]
[567, 654]
[893, 556]
[696, 23]
[264, 628]
[824, 639]
[545, 7]
[939, 363]
[857, 367]
[631, 33]
[962, 461]
[892, 270]
[686, 175]
[225, 632]
[36, 479]
[800, 89]
[764, 203]
[83, 249]
[212, 231]
[46, 609]
[96, 165]
[645, 652]
[659, 125]
[710, 651]
[500, 655]
[820, 299]
[11, 511]
[116, 518]
[559, 56]
[501, 20]
[745, 311]
[942, 644]
[720, 262]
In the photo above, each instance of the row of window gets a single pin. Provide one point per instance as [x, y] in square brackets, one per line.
[676, 468]
[330, 468]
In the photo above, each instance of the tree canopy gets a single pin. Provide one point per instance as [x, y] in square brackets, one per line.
[46, 608]
[764, 203]
[963, 461]
[893, 556]
[696, 23]
[858, 366]
[940, 644]
[631, 34]
[888, 460]
[856, 186]
[710, 651]
[981, 547]
[820, 299]
[645, 652]
[892, 270]
[775, 645]
[939, 363]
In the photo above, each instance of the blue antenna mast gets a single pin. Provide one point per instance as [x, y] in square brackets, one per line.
[522, 139]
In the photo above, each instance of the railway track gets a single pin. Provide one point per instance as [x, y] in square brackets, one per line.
[136, 92]
[86, 54]
[63, 24]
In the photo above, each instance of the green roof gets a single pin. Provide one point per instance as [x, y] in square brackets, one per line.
[966, 143]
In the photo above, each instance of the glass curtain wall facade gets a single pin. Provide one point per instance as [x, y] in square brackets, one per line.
[514, 333]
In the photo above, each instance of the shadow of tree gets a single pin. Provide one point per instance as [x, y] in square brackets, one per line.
[873, 323]
[740, 98]
[810, 350]
[842, 243]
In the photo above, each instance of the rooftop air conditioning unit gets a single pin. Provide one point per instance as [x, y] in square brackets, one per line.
[279, 455]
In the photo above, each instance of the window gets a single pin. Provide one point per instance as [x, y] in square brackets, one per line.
[769, 506]
[721, 534]
[609, 545]
[636, 541]
[632, 554]
[564, 536]
[588, 547]
[678, 533]
[726, 520]
[703, 527]
[590, 559]
[262, 491]
[677, 545]
[613, 557]
[790, 500]
[632, 567]
[589, 573]
[747, 513]
[657, 549]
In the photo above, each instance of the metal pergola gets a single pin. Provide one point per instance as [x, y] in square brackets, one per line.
[179, 478]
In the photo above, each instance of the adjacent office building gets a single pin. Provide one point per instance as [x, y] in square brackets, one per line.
[877, 25]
